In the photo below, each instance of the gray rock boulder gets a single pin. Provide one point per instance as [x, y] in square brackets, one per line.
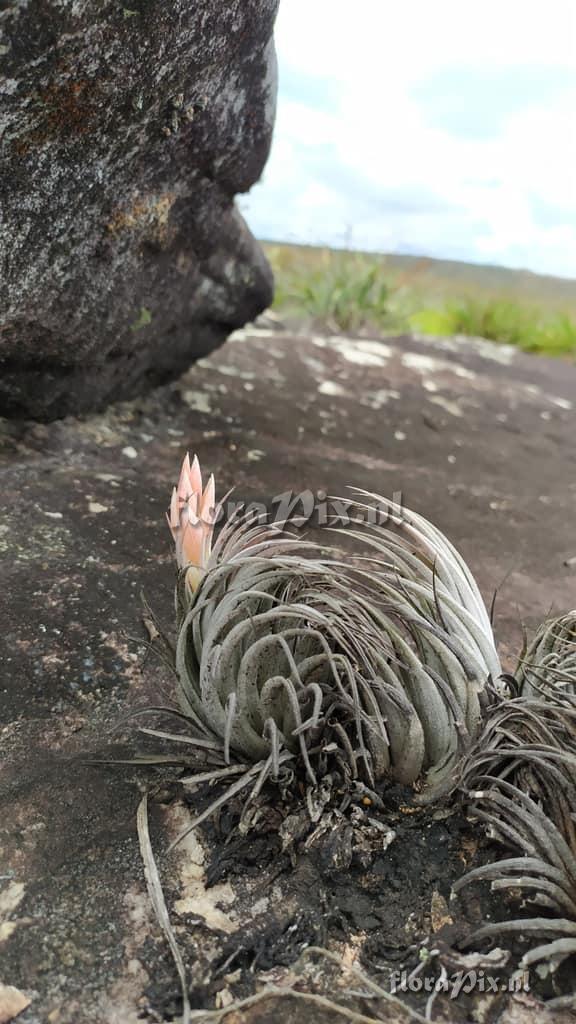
[126, 132]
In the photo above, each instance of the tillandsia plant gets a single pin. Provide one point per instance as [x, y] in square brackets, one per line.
[550, 660]
[330, 674]
[297, 664]
[520, 779]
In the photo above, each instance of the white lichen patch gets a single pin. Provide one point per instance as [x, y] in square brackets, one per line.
[226, 369]
[420, 363]
[561, 403]
[360, 351]
[195, 897]
[498, 353]
[8, 86]
[431, 364]
[332, 388]
[245, 333]
[314, 365]
[261, 906]
[239, 335]
[10, 899]
[377, 348]
[450, 407]
[495, 351]
[354, 355]
[198, 401]
[7, 928]
[40, 543]
[377, 399]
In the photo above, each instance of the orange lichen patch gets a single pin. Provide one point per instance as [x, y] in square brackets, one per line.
[147, 215]
[70, 107]
[63, 111]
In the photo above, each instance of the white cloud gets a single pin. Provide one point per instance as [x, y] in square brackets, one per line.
[359, 151]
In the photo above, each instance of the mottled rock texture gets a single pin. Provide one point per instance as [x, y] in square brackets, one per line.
[126, 132]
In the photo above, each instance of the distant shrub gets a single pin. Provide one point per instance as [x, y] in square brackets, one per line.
[342, 291]
[557, 336]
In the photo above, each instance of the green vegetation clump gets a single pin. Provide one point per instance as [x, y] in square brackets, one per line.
[340, 290]
[348, 291]
[504, 321]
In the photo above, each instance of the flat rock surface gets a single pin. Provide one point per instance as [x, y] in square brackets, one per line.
[479, 438]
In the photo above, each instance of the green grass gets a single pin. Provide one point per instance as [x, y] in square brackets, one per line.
[342, 291]
[502, 320]
[355, 292]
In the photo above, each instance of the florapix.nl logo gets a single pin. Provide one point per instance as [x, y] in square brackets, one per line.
[314, 508]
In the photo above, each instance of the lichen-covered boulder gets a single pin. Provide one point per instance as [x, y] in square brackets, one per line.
[126, 131]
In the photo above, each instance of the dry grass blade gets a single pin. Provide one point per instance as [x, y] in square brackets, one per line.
[156, 894]
[337, 1009]
[275, 992]
[363, 979]
[237, 787]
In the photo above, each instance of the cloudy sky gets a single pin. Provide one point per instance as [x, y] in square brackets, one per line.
[444, 128]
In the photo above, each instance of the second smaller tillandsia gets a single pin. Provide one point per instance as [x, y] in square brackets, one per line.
[294, 662]
[550, 658]
[520, 780]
